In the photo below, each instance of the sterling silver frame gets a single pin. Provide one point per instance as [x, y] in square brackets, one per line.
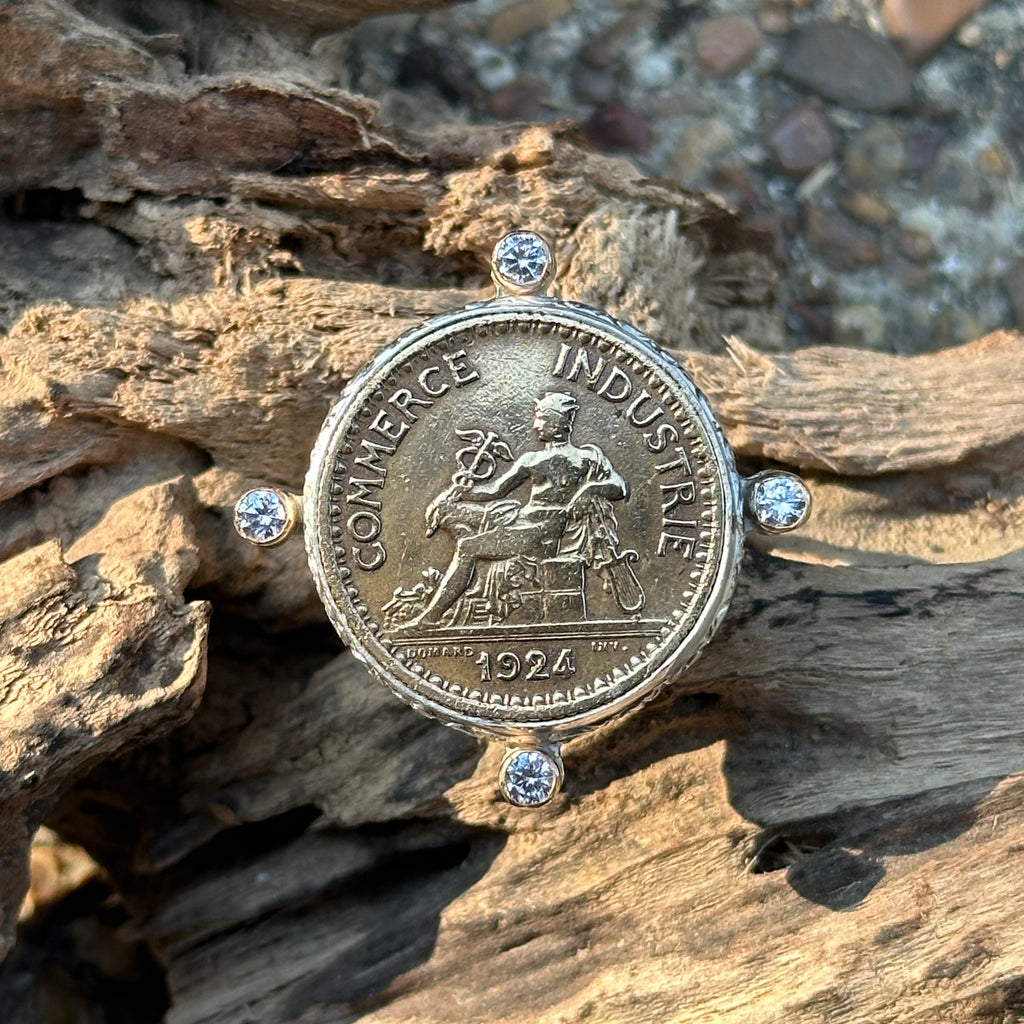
[368, 647]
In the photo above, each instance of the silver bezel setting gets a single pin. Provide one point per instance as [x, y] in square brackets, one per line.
[369, 648]
[291, 512]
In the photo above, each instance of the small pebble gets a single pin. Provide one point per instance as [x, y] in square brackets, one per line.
[921, 149]
[840, 242]
[607, 46]
[867, 208]
[875, 155]
[802, 140]
[654, 70]
[521, 18]
[494, 69]
[859, 326]
[592, 84]
[615, 126]
[993, 160]
[439, 68]
[922, 26]
[705, 140]
[915, 244]
[970, 35]
[726, 44]
[525, 99]
[1014, 285]
[912, 277]
[849, 65]
[773, 18]
[815, 320]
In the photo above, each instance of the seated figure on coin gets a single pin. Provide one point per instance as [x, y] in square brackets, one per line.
[567, 512]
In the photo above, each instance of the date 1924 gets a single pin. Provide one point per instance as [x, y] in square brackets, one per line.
[537, 664]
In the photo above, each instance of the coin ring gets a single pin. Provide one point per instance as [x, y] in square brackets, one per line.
[338, 580]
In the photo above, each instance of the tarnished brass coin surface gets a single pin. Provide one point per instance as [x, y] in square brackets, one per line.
[523, 517]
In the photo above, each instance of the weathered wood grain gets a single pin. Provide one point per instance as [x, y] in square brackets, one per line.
[823, 821]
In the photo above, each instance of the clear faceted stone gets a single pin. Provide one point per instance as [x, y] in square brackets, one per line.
[261, 515]
[780, 502]
[522, 260]
[530, 778]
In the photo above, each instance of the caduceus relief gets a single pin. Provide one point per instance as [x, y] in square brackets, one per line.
[507, 548]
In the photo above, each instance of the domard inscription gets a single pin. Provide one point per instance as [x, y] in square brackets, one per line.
[533, 533]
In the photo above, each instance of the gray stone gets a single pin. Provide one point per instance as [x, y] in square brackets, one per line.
[849, 65]
[802, 140]
[1014, 283]
[875, 155]
[839, 241]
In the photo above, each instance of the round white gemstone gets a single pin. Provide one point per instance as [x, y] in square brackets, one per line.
[522, 260]
[529, 778]
[780, 502]
[261, 515]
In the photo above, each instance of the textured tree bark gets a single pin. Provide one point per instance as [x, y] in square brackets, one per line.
[822, 821]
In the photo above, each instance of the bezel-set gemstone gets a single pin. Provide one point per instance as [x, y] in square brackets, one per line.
[262, 516]
[779, 502]
[530, 778]
[522, 262]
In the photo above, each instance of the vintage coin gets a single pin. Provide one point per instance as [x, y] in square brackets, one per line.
[524, 518]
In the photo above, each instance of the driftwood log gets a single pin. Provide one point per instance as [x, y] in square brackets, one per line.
[823, 821]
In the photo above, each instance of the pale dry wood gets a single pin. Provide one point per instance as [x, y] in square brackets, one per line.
[310, 18]
[875, 779]
[188, 370]
[823, 822]
[890, 414]
[99, 653]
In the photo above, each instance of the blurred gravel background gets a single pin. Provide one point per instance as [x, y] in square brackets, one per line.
[881, 143]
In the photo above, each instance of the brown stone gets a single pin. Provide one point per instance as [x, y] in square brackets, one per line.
[916, 245]
[993, 160]
[867, 208]
[616, 126]
[911, 276]
[522, 18]
[839, 241]
[802, 140]
[525, 99]
[726, 44]
[875, 155]
[850, 66]
[607, 46]
[774, 18]
[922, 26]
[704, 141]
